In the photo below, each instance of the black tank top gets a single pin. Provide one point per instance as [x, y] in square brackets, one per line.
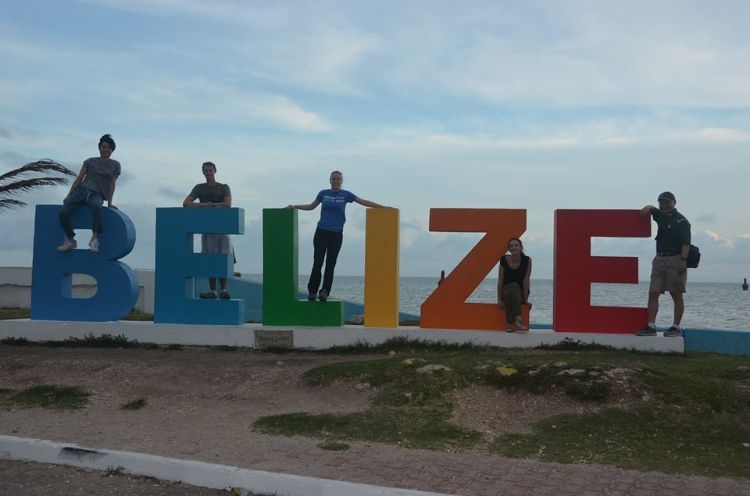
[510, 274]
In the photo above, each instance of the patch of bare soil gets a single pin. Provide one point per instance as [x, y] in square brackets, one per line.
[494, 411]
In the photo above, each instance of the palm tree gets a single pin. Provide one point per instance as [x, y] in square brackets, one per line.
[18, 180]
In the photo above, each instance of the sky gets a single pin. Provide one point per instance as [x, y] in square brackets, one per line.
[537, 105]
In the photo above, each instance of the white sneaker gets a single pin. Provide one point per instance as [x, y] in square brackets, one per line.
[69, 244]
[94, 245]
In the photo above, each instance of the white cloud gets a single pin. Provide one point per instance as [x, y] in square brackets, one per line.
[721, 241]
[713, 135]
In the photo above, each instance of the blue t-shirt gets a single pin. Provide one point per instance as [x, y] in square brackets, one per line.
[333, 204]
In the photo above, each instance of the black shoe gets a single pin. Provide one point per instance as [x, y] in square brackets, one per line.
[323, 295]
[224, 295]
[646, 331]
[311, 296]
[673, 332]
[208, 295]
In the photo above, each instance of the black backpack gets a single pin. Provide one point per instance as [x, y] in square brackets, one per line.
[694, 257]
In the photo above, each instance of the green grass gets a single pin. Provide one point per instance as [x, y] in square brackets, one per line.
[46, 396]
[422, 428]
[649, 437]
[681, 413]
[88, 341]
[333, 446]
[135, 404]
[399, 345]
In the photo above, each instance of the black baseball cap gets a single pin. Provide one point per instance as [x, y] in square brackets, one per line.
[667, 196]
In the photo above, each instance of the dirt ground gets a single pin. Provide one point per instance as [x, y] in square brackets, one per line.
[201, 404]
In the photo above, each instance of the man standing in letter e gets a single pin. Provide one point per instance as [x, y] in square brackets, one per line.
[669, 268]
[212, 194]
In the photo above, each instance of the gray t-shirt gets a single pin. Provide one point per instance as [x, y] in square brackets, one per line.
[99, 174]
[210, 194]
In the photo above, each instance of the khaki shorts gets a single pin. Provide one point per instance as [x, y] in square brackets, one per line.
[666, 277]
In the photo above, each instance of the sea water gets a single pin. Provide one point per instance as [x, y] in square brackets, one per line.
[707, 305]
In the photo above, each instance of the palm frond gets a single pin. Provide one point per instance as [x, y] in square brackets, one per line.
[39, 167]
[10, 203]
[29, 184]
[21, 182]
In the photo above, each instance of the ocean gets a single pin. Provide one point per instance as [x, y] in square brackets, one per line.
[707, 305]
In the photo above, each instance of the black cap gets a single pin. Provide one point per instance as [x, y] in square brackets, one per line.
[667, 196]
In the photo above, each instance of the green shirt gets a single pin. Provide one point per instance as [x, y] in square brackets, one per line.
[673, 232]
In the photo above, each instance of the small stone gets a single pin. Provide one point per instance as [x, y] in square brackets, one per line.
[279, 362]
[433, 367]
[571, 372]
[746, 445]
[507, 371]
[362, 386]
[391, 353]
[414, 361]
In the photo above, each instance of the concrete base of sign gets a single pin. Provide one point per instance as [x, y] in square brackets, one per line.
[315, 338]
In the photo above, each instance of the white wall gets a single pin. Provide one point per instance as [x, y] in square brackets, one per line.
[15, 288]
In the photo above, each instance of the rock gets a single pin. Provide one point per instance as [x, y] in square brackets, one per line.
[279, 362]
[414, 361]
[571, 372]
[507, 371]
[433, 367]
[391, 353]
[362, 386]
[356, 320]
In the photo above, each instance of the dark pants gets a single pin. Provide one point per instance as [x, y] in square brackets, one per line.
[327, 245]
[512, 300]
[81, 196]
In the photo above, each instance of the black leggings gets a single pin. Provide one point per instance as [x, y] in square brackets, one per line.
[327, 245]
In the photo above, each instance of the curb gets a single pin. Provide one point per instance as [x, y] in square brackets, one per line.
[195, 473]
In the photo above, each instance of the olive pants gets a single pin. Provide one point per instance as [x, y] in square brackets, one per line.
[512, 300]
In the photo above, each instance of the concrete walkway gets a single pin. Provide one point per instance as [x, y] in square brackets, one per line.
[471, 474]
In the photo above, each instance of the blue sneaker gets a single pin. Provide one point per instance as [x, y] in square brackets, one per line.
[673, 332]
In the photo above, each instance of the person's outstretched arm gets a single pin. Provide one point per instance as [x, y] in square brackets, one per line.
[308, 206]
[646, 211]
[368, 203]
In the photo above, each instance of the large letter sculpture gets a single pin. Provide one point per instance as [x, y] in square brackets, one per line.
[575, 270]
[280, 262]
[52, 281]
[177, 266]
[381, 268]
[446, 307]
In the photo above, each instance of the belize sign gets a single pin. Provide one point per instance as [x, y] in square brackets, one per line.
[177, 266]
